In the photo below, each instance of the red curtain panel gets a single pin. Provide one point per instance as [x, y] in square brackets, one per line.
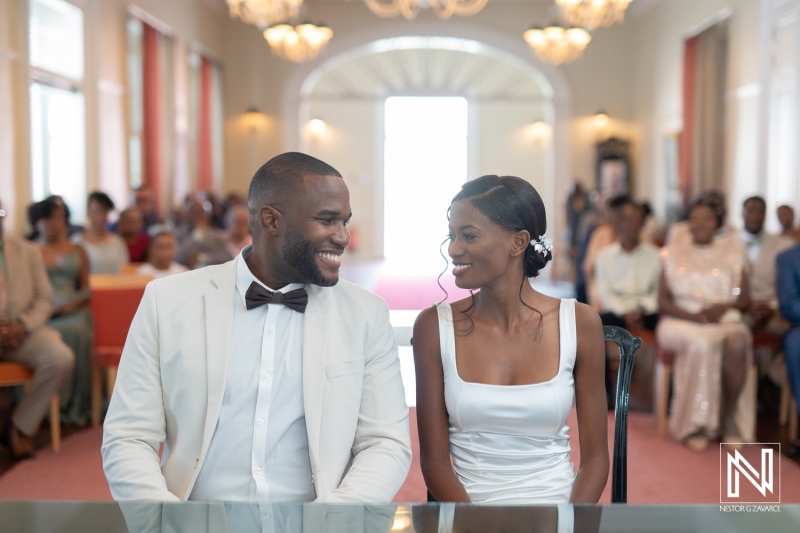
[153, 110]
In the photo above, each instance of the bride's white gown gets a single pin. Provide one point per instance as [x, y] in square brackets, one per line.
[510, 444]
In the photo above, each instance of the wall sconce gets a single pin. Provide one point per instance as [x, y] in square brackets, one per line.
[253, 118]
[316, 128]
[540, 130]
[600, 119]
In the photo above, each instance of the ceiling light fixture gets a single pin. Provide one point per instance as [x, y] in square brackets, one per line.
[557, 45]
[297, 43]
[264, 13]
[591, 14]
[444, 9]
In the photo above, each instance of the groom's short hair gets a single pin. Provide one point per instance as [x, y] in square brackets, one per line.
[284, 174]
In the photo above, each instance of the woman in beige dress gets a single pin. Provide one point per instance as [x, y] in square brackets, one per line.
[107, 251]
[702, 294]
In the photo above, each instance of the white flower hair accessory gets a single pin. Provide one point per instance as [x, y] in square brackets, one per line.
[542, 244]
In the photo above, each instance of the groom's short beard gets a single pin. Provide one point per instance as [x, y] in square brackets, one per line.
[300, 255]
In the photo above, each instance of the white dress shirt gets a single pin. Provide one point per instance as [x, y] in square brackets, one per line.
[628, 281]
[752, 244]
[259, 451]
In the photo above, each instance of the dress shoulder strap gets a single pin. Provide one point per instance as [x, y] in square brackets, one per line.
[568, 334]
[447, 341]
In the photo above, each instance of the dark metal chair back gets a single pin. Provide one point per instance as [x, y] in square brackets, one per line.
[628, 345]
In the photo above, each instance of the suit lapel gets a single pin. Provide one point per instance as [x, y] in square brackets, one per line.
[218, 321]
[315, 342]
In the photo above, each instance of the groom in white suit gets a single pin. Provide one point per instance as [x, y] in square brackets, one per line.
[265, 378]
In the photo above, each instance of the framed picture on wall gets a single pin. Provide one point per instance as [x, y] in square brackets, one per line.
[613, 175]
[613, 167]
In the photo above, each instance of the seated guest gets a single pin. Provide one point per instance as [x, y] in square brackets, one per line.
[145, 202]
[590, 220]
[107, 251]
[34, 234]
[68, 270]
[237, 222]
[786, 218]
[200, 244]
[627, 275]
[761, 249]
[703, 291]
[602, 236]
[788, 268]
[233, 199]
[577, 206]
[680, 232]
[161, 257]
[130, 227]
[652, 230]
[27, 302]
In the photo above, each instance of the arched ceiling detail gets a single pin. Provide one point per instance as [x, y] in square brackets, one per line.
[429, 66]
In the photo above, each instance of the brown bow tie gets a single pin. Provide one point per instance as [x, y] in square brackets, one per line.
[256, 296]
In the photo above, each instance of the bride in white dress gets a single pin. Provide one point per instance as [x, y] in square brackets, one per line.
[497, 373]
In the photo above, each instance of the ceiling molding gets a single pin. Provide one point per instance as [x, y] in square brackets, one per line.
[219, 7]
[640, 8]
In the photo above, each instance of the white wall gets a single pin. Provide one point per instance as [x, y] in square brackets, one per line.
[192, 23]
[602, 80]
[658, 73]
[352, 144]
[632, 71]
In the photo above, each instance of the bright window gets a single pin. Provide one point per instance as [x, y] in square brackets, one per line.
[425, 165]
[56, 37]
[58, 145]
[57, 113]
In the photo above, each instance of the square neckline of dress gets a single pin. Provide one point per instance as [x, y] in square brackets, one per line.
[455, 357]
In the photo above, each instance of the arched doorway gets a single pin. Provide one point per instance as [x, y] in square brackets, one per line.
[507, 90]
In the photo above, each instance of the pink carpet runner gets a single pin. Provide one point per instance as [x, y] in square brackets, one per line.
[659, 471]
[416, 293]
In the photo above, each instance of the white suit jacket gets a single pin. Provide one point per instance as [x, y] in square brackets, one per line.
[171, 382]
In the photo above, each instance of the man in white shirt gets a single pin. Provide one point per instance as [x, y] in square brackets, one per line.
[627, 275]
[762, 249]
[265, 378]
[626, 278]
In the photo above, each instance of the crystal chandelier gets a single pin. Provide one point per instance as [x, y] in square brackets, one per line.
[444, 9]
[591, 14]
[557, 45]
[297, 43]
[263, 13]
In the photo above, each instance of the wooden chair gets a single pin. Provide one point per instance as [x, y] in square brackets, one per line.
[664, 361]
[130, 269]
[627, 345]
[788, 410]
[13, 374]
[114, 302]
